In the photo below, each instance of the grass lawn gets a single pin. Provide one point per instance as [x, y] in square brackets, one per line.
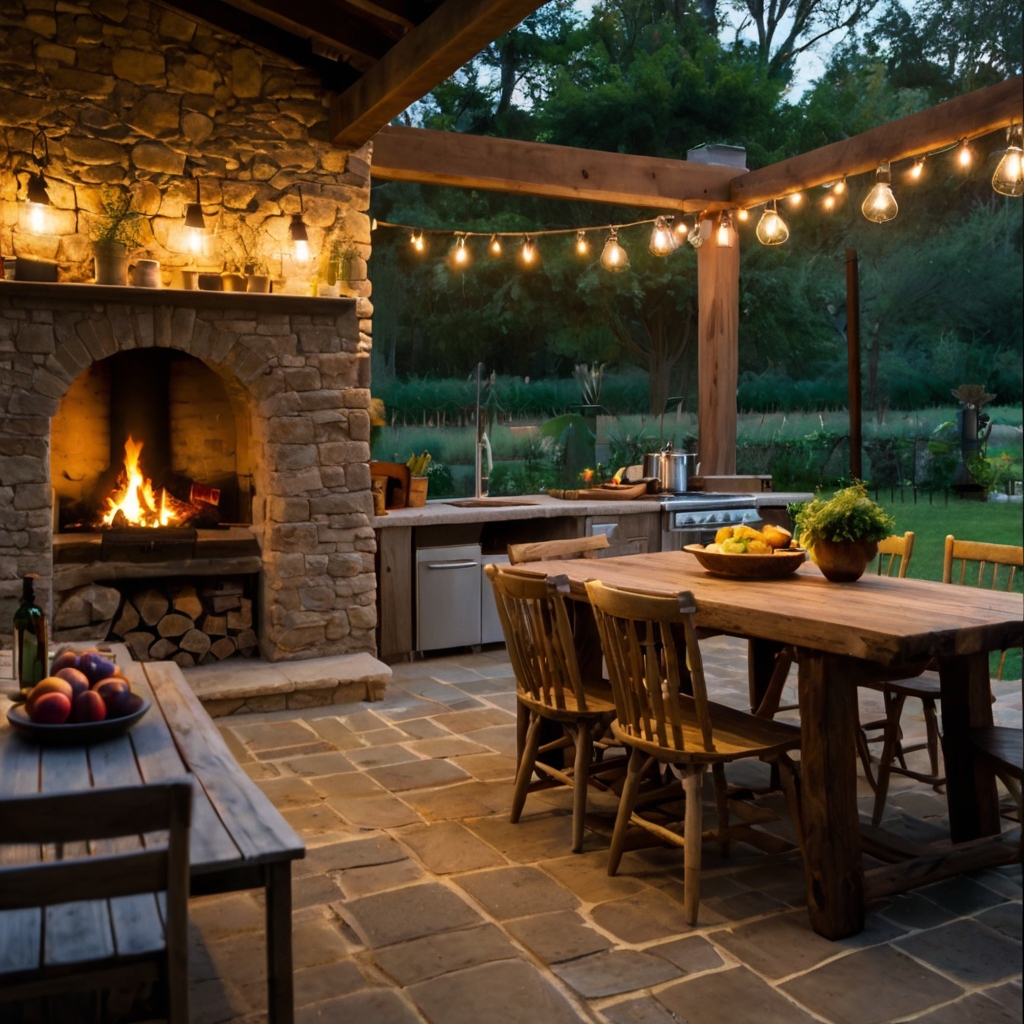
[995, 522]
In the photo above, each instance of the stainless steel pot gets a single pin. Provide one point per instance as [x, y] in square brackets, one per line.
[672, 469]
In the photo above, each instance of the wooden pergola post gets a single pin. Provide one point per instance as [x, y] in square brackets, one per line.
[718, 339]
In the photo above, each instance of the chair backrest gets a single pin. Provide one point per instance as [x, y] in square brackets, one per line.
[538, 636]
[896, 547]
[640, 635]
[987, 556]
[95, 815]
[574, 547]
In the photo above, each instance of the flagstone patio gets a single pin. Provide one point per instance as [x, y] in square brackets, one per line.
[418, 901]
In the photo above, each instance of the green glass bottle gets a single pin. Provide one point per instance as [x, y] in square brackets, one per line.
[30, 646]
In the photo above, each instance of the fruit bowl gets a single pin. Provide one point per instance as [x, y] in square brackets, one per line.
[72, 733]
[779, 563]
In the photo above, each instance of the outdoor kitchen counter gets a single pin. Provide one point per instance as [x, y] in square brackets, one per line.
[442, 513]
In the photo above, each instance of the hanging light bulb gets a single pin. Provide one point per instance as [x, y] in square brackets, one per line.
[915, 172]
[723, 237]
[795, 198]
[461, 252]
[495, 245]
[964, 156]
[829, 203]
[771, 228]
[38, 203]
[613, 256]
[1008, 179]
[743, 215]
[582, 245]
[417, 241]
[682, 229]
[195, 226]
[839, 188]
[299, 237]
[880, 204]
[528, 253]
[663, 241]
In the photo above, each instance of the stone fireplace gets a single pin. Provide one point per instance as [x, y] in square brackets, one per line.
[266, 398]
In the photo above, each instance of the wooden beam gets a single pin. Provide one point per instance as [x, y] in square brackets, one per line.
[977, 113]
[718, 344]
[398, 12]
[435, 49]
[540, 169]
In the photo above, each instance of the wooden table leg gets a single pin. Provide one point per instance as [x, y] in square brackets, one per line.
[280, 995]
[760, 666]
[970, 785]
[828, 770]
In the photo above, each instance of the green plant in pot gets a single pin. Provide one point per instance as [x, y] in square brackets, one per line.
[841, 533]
[114, 232]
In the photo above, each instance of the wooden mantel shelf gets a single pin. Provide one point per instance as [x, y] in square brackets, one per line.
[44, 294]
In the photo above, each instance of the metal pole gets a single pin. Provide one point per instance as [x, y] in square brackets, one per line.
[477, 464]
[853, 357]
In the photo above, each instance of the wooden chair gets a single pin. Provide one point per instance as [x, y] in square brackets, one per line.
[649, 643]
[33, 965]
[894, 548]
[549, 687]
[1003, 750]
[573, 547]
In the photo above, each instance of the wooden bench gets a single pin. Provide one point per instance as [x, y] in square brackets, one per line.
[238, 840]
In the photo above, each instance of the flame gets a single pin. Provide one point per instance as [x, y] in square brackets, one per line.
[136, 499]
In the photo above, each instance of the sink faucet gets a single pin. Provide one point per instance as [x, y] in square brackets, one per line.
[482, 443]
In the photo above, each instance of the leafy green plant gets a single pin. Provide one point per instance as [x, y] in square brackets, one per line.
[627, 449]
[119, 222]
[441, 485]
[850, 515]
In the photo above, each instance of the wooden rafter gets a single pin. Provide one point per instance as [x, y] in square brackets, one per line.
[977, 113]
[539, 169]
[454, 33]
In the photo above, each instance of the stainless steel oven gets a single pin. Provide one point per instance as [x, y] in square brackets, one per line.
[696, 517]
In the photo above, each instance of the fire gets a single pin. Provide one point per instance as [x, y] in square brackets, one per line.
[135, 500]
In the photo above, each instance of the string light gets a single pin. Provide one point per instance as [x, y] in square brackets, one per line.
[964, 155]
[743, 215]
[37, 199]
[582, 245]
[839, 188]
[829, 203]
[528, 253]
[613, 256]
[461, 252]
[835, 193]
[879, 204]
[417, 241]
[724, 235]
[682, 229]
[299, 237]
[771, 228]
[663, 240]
[195, 226]
[1008, 179]
[915, 172]
[796, 198]
[495, 245]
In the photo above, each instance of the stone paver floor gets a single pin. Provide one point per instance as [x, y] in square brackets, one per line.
[418, 901]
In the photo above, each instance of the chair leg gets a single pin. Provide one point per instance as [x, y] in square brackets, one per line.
[626, 803]
[529, 759]
[893, 711]
[584, 756]
[722, 805]
[522, 724]
[693, 828]
[865, 758]
[931, 725]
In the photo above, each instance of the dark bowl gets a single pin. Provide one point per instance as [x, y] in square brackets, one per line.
[71, 733]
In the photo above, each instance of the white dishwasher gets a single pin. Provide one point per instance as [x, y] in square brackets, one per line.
[447, 597]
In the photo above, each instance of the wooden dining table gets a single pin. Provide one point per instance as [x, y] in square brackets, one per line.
[847, 633]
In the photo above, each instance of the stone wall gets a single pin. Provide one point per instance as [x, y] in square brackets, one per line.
[302, 366]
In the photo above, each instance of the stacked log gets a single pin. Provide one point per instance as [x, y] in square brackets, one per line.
[190, 625]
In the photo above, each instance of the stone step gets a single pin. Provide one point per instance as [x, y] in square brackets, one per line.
[240, 685]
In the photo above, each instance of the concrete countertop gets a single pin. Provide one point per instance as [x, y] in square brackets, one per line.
[540, 506]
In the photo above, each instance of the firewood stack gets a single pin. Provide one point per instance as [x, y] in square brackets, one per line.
[186, 624]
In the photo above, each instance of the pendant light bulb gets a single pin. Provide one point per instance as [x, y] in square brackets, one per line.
[582, 245]
[880, 204]
[528, 253]
[839, 188]
[195, 226]
[495, 245]
[795, 198]
[1008, 179]
[915, 172]
[964, 157]
[38, 201]
[743, 215]
[613, 256]
[461, 252]
[682, 229]
[771, 228]
[724, 234]
[417, 241]
[664, 241]
[829, 203]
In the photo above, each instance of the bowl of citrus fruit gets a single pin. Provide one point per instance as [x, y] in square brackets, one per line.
[85, 699]
[741, 552]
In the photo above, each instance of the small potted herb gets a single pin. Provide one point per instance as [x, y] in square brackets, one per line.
[113, 234]
[841, 534]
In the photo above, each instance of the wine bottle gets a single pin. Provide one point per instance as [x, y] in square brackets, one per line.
[30, 646]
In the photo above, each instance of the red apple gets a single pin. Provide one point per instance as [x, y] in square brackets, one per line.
[51, 684]
[78, 679]
[88, 707]
[66, 659]
[51, 709]
[115, 693]
[95, 666]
